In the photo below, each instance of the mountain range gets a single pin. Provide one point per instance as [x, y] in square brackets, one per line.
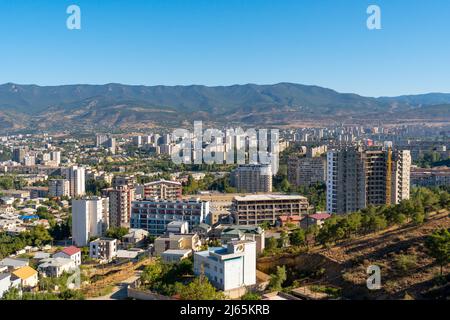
[126, 107]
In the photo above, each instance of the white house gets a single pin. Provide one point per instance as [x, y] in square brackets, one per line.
[229, 267]
[55, 267]
[103, 249]
[71, 252]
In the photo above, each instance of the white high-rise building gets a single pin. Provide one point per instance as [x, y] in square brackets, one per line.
[76, 177]
[59, 188]
[89, 219]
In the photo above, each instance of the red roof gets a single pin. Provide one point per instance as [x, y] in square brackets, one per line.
[320, 216]
[70, 251]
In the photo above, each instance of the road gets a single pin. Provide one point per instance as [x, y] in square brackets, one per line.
[119, 292]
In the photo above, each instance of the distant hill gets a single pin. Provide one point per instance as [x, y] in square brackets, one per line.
[124, 106]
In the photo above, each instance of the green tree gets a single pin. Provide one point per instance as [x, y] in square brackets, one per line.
[277, 279]
[438, 247]
[251, 296]
[200, 289]
[40, 236]
[152, 273]
[116, 232]
[298, 237]
[271, 243]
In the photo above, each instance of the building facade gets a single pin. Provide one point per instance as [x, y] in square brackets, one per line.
[163, 189]
[154, 215]
[120, 199]
[90, 218]
[252, 178]
[306, 171]
[357, 178]
[59, 188]
[257, 209]
[230, 267]
[77, 184]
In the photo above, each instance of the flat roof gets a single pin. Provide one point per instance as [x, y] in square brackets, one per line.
[268, 197]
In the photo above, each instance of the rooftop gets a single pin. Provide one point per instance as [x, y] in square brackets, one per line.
[25, 272]
[268, 197]
[71, 250]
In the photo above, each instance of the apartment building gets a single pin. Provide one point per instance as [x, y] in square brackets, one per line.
[154, 215]
[76, 176]
[120, 199]
[305, 171]
[430, 177]
[252, 178]
[59, 188]
[104, 249]
[357, 178]
[256, 209]
[229, 267]
[90, 218]
[129, 181]
[162, 189]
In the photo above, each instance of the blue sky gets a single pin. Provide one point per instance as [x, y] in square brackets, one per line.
[224, 42]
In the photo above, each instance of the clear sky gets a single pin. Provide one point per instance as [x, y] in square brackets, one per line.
[224, 42]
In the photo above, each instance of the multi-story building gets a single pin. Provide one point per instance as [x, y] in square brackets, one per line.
[76, 177]
[154, 215]
[19, 155]
[59, 188]
[227, 233]
[256, 209]
[177, 242]
[118, 181]
[230, 267]
[306, 171]
[120, 199]
[252, 178]
[104, 249]
[430, 177]
[90, 218]
[401, 175]
[55, 156]
[162, 189]
[357, 178]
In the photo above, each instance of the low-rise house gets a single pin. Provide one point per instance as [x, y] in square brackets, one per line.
[317, 219]
[129, 254]
[135, 237]
[175, 256]
[227, 233]
[28, 277]
[41, 255]
[103, 249]
[55, 267]
[72, 253]
[283, 221]
[177, 242]
[7, 282]
[14, 263]
[177, 227]
[202, 230]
